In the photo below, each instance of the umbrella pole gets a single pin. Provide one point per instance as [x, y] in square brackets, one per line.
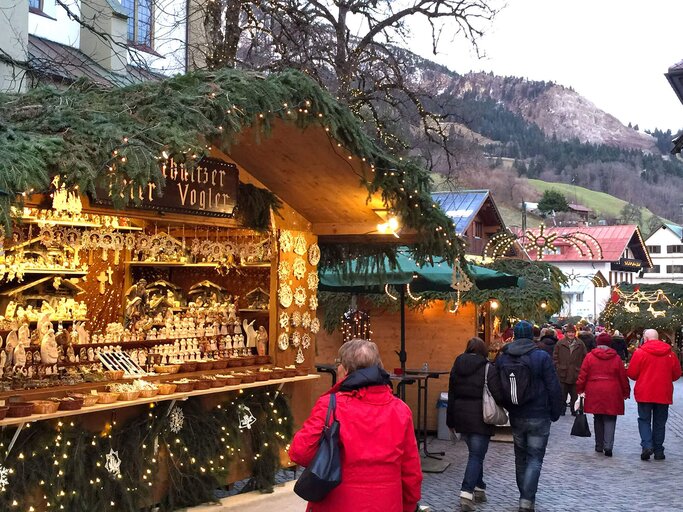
[402, 354]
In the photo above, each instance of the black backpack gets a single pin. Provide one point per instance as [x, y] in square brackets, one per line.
[516, 376]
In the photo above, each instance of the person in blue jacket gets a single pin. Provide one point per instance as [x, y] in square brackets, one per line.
[530, 420]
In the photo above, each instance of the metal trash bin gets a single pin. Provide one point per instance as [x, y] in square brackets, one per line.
[443, 432]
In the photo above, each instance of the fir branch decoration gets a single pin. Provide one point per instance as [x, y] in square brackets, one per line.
[90, 135]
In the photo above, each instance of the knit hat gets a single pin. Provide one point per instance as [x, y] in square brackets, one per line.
[604, 339]
[570, 328]
[523, 329]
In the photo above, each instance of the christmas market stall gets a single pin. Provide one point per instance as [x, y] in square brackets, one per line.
[158, 279]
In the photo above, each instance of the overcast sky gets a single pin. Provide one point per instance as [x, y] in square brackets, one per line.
[613, 52]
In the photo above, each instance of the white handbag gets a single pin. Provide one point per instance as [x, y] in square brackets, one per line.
[494, 414]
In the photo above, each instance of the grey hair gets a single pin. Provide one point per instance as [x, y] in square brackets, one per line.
[358, 353]
[650, 334]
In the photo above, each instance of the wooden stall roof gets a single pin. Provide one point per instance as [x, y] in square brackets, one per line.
[308, 171]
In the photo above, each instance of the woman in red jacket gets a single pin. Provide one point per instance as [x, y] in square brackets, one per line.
[603, 379]
[380, 462]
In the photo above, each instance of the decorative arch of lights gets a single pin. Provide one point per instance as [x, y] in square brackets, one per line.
[542, 243]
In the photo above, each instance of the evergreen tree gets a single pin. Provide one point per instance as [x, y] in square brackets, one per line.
[553, 201]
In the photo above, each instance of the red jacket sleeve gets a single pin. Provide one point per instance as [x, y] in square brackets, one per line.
[623, 380]
[411, 471]
[583, 375]
[306, 441]
[676, 370]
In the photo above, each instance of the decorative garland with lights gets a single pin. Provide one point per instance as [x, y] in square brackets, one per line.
[638, 307]
[84, 131]
[63, 466]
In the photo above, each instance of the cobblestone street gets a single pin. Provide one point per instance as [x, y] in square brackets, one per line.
[574, 476]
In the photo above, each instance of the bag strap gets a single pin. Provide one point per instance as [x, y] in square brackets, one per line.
[486, 374]
[331, 409]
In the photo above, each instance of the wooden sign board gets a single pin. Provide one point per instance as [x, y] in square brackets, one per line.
[208, 188]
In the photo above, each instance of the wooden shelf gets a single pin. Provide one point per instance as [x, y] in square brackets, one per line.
[262, 311]
[55, 272]
[169, 264]
[158, 398]
[76, 224]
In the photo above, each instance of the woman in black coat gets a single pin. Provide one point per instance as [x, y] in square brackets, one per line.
[465, 415]
[548, 340]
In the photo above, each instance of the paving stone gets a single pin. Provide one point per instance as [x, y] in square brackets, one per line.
[574, 476]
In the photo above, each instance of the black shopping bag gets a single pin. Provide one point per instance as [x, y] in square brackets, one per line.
[324, 472]
[580, 427]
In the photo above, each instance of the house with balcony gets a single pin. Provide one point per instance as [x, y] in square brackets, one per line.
[665, 246]
[109, 42]
[594, 258]
[476, 218]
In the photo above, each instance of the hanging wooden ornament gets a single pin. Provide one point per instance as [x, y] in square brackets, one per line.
[300, 356]
[286, 241]
[300, 245]
[461, 281]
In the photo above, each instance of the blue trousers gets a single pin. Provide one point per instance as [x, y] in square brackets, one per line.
[530, 436]
[477, 445]
[652, 425]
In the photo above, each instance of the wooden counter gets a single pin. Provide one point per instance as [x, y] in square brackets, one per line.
[154, 399]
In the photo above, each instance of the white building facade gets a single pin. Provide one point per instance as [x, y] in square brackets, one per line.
[666, 250]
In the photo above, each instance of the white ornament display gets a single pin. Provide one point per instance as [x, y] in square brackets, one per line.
[314, 254]
[299, 268]
[176, 420]
[284, 320]
[296, 319]
[300, 245]
[306, 340]
[286, 296]
[296, 339]
[313, 281]
[300, 356]
[283, 341]
[315, 326]
[286, 241]
[313, 303]
[247, 419]
[113, 464]
[306, 320]
[300, 296]
[283, 270]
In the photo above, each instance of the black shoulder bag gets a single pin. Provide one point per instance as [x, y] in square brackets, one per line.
[324, 472]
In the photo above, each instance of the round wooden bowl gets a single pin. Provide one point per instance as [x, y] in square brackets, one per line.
[70, 403]
[262, 359]
[189, 366]
[3, 412]
[277, 374]
[45, 406]
[183, 387]
[220, 364]
[204, 365]
[128, 395]
[301, 372]
[107, 397]
[234, 362]
[149, 393]
[168, 369]
[262, 376]
[248, 379]
[166, 388]
[20, 409]
[249, 360]
[202, 384]
[289, 372]
[232, 381]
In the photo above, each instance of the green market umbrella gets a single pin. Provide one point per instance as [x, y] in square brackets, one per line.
[408, 276]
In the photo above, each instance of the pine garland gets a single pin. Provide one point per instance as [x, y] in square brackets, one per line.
[86, 133]
[64, 464]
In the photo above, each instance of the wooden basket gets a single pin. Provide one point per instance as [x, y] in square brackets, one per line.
[202, 384]
[70, 404]
[166, 388]
[20, 409]
[249, 360]
[234, 362]
[204, 365]
[149, 393]
[128, 395]
[288, 373]
[220, 364]
[217, 383]
[90, 400]
[183, 387]
[247, 379]
[277, 374]
[301, 372]
[190, 366]
[262, 359]
[45, 406]
[114, 374]
[107, 397]
[3, 412]
[167, 368]
[262, 376]
[233, 381]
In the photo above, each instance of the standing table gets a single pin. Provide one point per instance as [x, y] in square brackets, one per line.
[422, 377]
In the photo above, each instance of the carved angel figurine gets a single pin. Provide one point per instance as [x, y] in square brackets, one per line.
[19, 357]
[24, 335]
[251, 333]
[49, 353]
[3, 362]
